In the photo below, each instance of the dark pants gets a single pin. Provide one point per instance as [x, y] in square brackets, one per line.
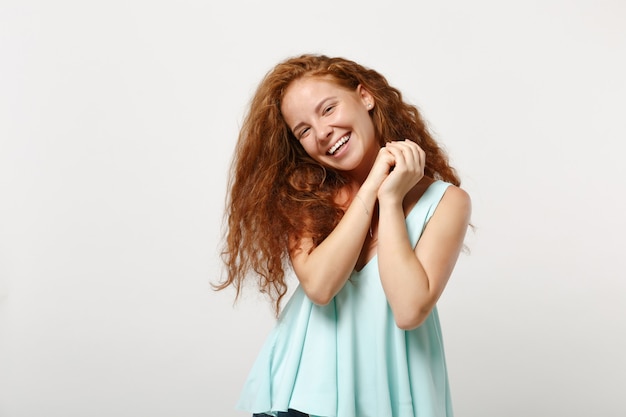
[290, 413]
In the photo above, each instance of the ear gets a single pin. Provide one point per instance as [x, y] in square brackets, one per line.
[366, 97]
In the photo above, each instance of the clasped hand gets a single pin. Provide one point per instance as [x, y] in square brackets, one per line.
[398, 167]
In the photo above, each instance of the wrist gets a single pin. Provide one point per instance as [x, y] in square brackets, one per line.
[368, 192]
[387, 200]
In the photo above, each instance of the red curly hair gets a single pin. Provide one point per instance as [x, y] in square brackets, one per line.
[276, 189]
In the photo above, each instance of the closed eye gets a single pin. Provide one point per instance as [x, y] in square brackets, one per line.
[303, 132]
[329, 109]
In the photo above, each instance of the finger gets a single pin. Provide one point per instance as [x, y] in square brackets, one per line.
[422, 157]
[385, 155]
[396, 150]
[412, 159]
[418, 153]
[409, 152]
[415, 150]
[384, 161]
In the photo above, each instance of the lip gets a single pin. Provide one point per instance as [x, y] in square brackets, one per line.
[347, 136]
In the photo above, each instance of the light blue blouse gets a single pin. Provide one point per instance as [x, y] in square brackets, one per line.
[349, 358]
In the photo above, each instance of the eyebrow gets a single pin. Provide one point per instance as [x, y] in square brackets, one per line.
[317, 109]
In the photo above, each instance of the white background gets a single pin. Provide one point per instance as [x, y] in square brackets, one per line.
[117, 124]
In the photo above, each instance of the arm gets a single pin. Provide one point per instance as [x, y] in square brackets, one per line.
[413, 279]
[325, 270]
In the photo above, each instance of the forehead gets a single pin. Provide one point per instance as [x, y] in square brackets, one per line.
[306, 92]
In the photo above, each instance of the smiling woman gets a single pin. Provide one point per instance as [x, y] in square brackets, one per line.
[333, 124]
[336, 177]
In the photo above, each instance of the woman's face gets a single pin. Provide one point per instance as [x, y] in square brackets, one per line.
[332, 123]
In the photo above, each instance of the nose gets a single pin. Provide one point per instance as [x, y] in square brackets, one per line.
[324, 131]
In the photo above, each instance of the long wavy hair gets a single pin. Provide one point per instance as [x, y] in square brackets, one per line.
[278, 194]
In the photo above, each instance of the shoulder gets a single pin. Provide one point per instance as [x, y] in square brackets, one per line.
[456, 196]
[455, 203]
[445, 231]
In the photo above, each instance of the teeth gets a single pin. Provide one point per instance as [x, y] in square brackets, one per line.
[339, 144]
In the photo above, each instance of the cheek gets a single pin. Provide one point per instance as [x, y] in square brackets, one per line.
[368, 126]
[309, 147]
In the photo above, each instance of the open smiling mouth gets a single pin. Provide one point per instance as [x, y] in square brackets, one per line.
[339, 144]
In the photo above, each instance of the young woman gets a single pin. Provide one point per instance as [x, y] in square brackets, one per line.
[338, 179]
